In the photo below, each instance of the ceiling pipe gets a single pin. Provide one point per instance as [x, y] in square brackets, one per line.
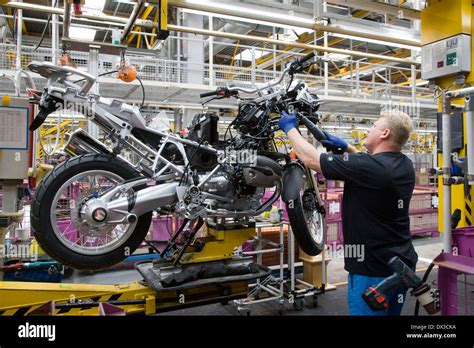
[302, 22]
[43, 21]
[235, 27]
[172, 27]
[137, 9]
[67, 18]
[292, 44]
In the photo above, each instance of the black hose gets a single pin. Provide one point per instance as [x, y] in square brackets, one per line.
[45, 28]
[185, 172]
[425, 277]
[103, 74]
[14, 25]
[143, 92]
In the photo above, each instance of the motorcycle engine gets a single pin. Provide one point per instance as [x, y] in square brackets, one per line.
[243, 197]
[243, 184]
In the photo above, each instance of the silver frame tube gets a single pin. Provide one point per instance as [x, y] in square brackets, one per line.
[446, 120]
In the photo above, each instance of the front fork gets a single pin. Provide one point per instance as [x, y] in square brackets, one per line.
[312, 197]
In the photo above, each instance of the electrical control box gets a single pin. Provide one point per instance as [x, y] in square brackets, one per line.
[446, 57]
[14, 139]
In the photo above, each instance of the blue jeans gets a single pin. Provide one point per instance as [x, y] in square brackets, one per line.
[357, 284]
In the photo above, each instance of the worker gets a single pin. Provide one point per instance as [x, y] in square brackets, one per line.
[378, 186]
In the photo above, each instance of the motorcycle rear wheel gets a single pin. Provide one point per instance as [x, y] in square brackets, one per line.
[54, 208]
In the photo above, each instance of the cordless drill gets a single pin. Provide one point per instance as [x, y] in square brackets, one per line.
[375, 298]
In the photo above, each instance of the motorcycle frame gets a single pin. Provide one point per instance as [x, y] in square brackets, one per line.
[117, 119]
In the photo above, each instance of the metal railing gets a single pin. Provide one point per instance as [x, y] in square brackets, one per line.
[348, 82]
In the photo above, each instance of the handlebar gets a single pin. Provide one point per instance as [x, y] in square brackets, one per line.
[209, 94]
[223, 92]
[292, 68]
[312, 128]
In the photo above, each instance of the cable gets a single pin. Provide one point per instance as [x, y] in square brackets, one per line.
[46, 27]
[14, 25]
[283, 142]
[143, 92]
[185, 171]
[56, 143]
[289, 84]
[425, 278]
[103, 74]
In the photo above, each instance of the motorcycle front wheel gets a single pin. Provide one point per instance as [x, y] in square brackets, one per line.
[58, 226]
[307, 223]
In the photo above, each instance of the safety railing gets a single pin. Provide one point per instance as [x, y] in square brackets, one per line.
[346, 82]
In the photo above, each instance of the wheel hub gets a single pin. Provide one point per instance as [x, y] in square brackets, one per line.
[90, 217]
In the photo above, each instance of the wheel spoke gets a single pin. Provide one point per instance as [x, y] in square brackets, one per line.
[67, 228]
[68, 202]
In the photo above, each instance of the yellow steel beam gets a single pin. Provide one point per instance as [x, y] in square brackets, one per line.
[33, 298]
[139, 38]
[145, 15]
[235, 53]
[10, 21]
[163, 18]
[53, 129]
[153, 31]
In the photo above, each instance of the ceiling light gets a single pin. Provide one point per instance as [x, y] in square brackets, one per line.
[97, 5]
[247, 54]
[380, 42]
[242, 11]
[85, 34]
[246, 20]
[338, 56]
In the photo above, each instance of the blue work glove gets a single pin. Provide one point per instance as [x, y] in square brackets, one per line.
[334, 144]
[287, 122]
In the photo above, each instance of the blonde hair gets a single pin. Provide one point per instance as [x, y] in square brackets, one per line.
[400, 126]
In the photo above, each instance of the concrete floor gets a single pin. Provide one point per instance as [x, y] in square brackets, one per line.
[330, 303]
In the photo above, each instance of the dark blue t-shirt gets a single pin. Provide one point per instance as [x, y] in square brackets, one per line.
[377, 194]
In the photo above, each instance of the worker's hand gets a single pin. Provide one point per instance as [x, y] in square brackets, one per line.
[334, 144]
[287, 122]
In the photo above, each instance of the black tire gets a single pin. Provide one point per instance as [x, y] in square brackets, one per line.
[301, 231]
[43, 201]
[315, 301]
[298, 304]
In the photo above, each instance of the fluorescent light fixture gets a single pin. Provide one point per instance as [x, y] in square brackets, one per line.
[422, 83]
[290, 34]
[97, 5]
[338, 56]
[247, 54]
[85, 34]
[244, 11]
[380, 42]
[425, 131]
[246, 20]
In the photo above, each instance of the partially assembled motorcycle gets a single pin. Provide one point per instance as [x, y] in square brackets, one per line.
[95, 209]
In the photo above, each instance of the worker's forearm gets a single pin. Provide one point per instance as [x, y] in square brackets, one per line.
[306, 152]
[351, 149]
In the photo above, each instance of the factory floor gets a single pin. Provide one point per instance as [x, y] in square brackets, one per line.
[331, 303]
